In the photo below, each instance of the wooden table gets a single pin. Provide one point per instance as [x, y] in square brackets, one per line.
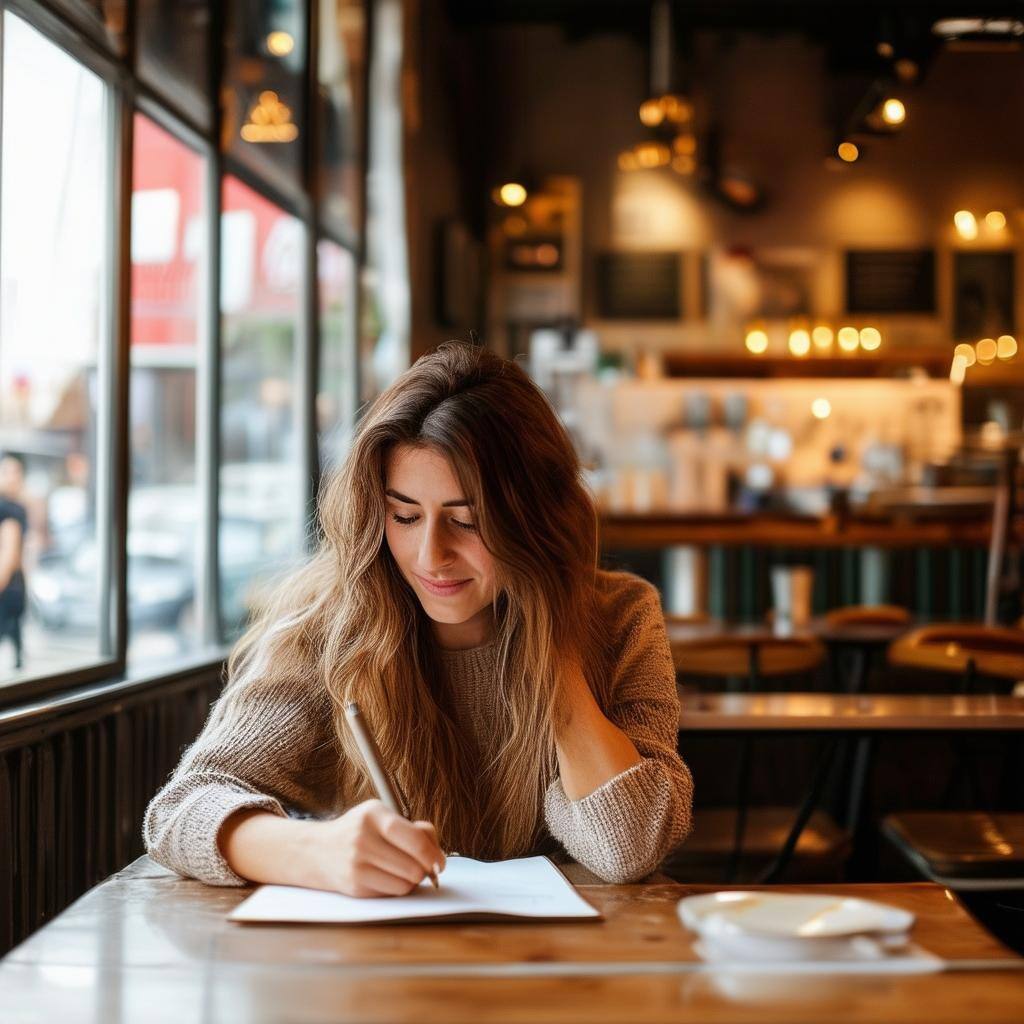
[852, 713]
[148, 946]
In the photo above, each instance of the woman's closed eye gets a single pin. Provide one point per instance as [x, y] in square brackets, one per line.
[409, 520]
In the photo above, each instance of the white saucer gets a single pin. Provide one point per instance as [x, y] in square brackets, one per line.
[782, 915]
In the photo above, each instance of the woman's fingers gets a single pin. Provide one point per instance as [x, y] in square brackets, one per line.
[417, 839]
[395, 861]
[372, 880]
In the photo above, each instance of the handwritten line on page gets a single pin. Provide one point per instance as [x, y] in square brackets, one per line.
[531, 887]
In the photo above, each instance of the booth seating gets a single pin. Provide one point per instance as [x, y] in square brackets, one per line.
[761, 842]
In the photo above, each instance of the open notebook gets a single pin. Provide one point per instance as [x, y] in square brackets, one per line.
[531, 887]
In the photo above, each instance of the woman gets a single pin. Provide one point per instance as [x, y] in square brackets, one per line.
[521, 699]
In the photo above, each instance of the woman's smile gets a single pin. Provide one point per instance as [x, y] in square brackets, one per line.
[442, 588]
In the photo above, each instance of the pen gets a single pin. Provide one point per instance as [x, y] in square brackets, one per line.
[371, 756]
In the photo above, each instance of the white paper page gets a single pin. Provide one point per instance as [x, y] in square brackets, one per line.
[528, 887]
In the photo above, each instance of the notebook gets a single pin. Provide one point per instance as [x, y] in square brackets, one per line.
[530, 887]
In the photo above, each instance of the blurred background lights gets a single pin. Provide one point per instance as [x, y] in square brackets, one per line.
[757, 342]
[651, 113]
[1006, 346]
[512, 193]
[870, 339]
[958, 370]
[848, 151]
[893, 111]
[280, 44]
[822, 336]
[848, 338]
[986, 350]
[799, 342]
[966, 353]
[996, 220]
[966, 224]
[821, 408]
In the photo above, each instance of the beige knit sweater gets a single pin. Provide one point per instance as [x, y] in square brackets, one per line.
[277, 751]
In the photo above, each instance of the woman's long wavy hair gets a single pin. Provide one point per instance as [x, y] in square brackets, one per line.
[348, 621]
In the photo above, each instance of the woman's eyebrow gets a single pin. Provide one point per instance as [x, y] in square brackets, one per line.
[457, 503]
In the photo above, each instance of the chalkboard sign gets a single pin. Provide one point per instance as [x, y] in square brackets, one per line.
[893, 281]
[638, 286]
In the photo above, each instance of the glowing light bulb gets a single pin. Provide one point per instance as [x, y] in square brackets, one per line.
[870, 339]
[651, 113]
[512, 193]
[799, 342]
[986, 350]
[757, 342]
[996, 220]
[966, 353]
[822, 336]
[848, 151]
[821, 408]
[280, 44]
[1006, 346]
[848, 338]
[893, 111]
[966, 224]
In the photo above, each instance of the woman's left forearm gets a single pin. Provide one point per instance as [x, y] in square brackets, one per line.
[590, 749]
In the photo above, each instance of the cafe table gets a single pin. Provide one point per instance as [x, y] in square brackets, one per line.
[149, 946]
[838, 719]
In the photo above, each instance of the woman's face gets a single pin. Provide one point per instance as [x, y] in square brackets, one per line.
[432, 535]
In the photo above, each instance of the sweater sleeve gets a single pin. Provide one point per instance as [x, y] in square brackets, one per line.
[625, 828]
[268, 747]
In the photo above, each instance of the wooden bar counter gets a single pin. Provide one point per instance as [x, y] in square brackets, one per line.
[149, 946]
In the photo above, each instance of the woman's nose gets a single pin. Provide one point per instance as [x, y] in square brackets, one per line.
[434, 550]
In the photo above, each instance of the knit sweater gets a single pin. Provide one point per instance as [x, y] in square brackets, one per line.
[275, 750]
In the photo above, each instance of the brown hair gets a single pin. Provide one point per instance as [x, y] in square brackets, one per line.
[351, 614]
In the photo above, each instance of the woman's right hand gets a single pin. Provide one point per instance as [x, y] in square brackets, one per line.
[371, 851]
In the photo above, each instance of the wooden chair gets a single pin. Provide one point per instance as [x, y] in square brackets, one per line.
[969, 851]
[965, 650]
[855, 634]
[761, 839]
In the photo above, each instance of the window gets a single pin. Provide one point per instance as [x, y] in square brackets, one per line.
[167, 339]
[265, 115]
[174, 52]
[336, 394]
[341, 71]
[54, 321]
[221, 337]
[262, 493]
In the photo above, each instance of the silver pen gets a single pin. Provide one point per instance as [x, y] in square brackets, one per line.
[371, 757]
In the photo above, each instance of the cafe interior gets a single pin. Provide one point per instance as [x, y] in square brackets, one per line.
[762, 259]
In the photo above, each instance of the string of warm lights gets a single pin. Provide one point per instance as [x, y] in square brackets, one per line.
[821, 338]
[967, 227]
[982, 353]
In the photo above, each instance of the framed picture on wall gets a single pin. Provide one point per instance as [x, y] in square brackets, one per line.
[983, 295]
[890, 281]
[639, 286]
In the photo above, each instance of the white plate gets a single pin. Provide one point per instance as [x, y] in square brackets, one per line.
[789, 915]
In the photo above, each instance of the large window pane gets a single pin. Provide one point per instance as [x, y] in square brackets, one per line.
[264, 112]
[336, 394]
[54, 267]
[385, 321]
[174, 52]
[339, 112]
[105, 19]
[168, 275]
[262, 496]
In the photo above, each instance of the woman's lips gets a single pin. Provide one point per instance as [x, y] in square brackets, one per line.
[442, 588]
